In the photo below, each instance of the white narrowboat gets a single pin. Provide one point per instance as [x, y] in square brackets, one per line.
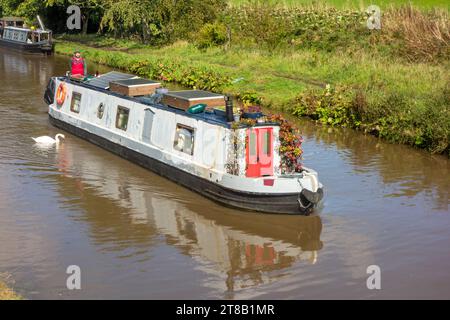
[16, 36]
[181, 136]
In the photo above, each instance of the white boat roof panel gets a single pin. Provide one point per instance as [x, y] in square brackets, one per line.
[17, 29]
[104, 80]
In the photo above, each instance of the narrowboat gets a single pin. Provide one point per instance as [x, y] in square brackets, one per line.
[186, 137]
[15, 35]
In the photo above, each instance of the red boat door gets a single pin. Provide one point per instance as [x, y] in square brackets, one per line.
[259, 155]
[265, 153]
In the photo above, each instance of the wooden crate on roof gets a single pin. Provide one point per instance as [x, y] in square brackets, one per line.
[134, 87]
[187, 98]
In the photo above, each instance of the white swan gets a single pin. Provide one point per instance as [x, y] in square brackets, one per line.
[49, 140]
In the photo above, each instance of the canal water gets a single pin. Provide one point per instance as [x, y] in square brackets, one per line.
[136, 235]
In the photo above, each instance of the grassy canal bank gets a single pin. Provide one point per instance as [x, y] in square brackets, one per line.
[393, 84]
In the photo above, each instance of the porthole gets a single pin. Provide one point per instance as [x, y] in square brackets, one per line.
[100, 110]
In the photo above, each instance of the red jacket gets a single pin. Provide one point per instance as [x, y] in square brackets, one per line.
[78, 66]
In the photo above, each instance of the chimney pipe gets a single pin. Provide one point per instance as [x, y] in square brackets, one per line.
[229, 108]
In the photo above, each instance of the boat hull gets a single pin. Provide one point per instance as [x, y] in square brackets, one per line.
[27, 48]
[291, 203]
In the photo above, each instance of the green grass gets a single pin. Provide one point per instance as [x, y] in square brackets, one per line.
[357, 4]
[279, 77]
[404, 102]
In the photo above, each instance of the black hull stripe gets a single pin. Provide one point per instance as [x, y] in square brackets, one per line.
[267, 203]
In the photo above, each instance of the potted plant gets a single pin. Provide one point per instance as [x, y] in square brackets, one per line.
[237, 114]
[251, 105]
[252, 112]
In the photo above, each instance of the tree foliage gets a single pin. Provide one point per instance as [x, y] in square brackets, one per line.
[154, 21]
[159, 20]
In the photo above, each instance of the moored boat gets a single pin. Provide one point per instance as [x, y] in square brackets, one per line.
[179, 136]
[15, 35]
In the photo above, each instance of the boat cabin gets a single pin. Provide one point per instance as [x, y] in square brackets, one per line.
[191, 124]
[26, 35]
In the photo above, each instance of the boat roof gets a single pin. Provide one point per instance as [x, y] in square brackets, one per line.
[27, 29]
[18, 28]
[103, 81]
[101, 84]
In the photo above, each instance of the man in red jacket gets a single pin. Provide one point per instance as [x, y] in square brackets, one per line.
[78, 68]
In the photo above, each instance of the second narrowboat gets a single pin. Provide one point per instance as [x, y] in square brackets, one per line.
[16, 35]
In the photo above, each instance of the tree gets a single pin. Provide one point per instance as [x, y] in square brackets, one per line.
[159, 20]
[8, 7]
[131, 16]
[87, 7]
[27, 9]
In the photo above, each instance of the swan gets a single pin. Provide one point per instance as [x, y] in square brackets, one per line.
[49, 140]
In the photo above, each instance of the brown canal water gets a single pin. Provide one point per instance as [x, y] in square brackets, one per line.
[137, 235]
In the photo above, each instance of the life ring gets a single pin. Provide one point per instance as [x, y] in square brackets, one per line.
[61, 94]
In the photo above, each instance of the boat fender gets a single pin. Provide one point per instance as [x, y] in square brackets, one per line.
[61, 94]
[307, 198]
[313, 197]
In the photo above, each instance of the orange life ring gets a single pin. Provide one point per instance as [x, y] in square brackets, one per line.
[61, 94]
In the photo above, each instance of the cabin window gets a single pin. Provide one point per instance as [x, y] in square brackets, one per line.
[76, 102]
[148, 124]
[184, 139]
[266, 147]
[252, 143]
[44, 37]
[100, 110]
[23, 37]
[122, 117]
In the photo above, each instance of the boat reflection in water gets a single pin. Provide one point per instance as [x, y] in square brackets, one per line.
[129, 208]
